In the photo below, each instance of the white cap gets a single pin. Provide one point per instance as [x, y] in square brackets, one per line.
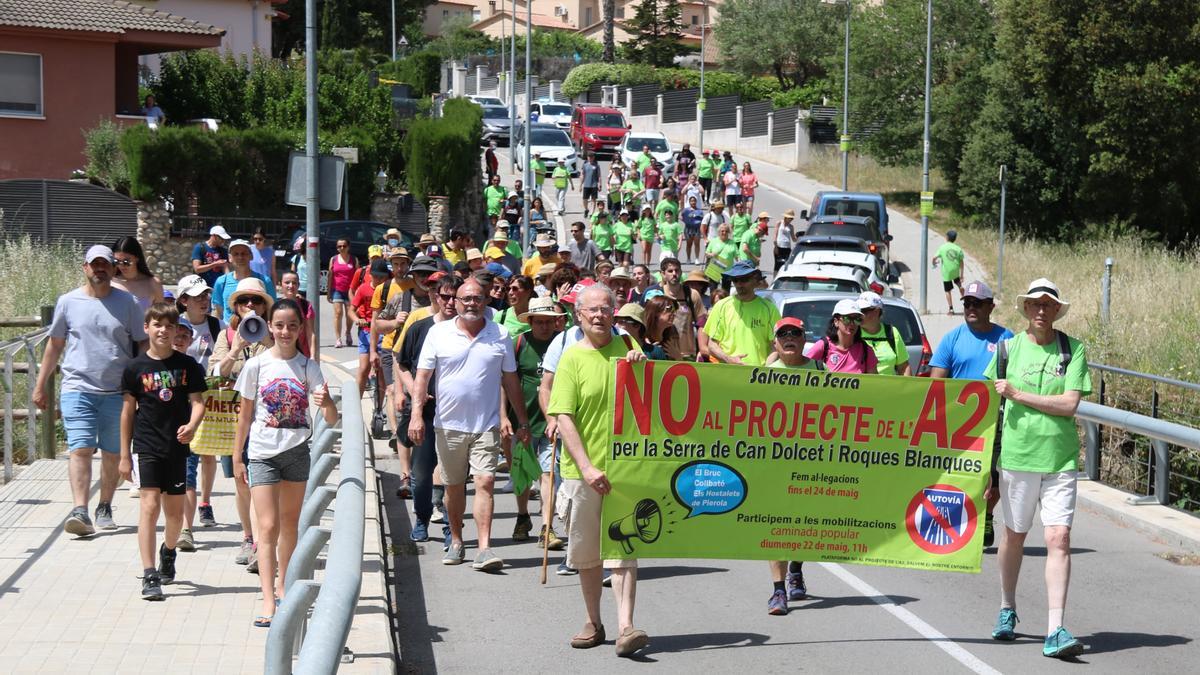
[219, 231]
[846, 307]
[870, 300]
[193, 285]
[238, 242]
[98, 251]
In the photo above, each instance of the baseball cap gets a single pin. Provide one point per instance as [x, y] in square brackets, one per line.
[184, 323]
[499, 270]
[578, 288]
[380, 267]
[978, 290]
[846, 307]
[374, 251]
[870, 300]
[238, 242]
[98, 251]
[193, 285]
[218, 231]
[789, 322]
[424, 263]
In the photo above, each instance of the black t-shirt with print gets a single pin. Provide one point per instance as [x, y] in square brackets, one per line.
[161, 388]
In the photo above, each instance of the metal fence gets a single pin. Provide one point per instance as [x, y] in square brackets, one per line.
[823, 122]
[541, 91]
[754, 118]
[197, 227]
[595, 93]
[679, 105]
[720, 112]
[50, 210]
[645, 99]
[472, 84]
[39, 425]
[323, 645]
[489, 84]
[784, 131]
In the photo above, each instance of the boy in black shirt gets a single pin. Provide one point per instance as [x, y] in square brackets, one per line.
[163, 408]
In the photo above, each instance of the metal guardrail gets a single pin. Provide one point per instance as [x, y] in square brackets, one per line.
[1161, 433]
[333, 600]
[39, 434]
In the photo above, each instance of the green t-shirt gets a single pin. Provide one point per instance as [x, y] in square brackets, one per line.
[623, 233]
[752, 241]
[539, 171]
[739, 223]
[561, 176]
[1032, 440]
[513, 248]
[665, 206]
[510, 319]
[704, 168]
[951, 256]
[890, 352]
[583, 386]
[646, 229]
[602, 234]
[727, 251]
[743, 327]
[630, 188]
[715, 167]
[494, 195]
[643, 161]
[670, 231]
[529, 370]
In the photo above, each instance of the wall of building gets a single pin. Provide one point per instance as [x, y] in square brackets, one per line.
[77, 92]
[440, 12]
[247, 24]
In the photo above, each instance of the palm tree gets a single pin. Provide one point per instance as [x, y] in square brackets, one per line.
[609, 50]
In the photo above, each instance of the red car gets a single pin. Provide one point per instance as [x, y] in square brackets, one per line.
[598, 129]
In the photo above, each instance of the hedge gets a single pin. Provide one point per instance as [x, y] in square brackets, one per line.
[716, 82]
[442, 153]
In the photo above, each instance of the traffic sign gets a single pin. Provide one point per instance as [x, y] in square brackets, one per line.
[941, 519]
[350, 155]
[845, 143]
[927, 203]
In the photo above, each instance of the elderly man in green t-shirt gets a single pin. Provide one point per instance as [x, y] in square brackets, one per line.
[1041, 374]
[581, 400]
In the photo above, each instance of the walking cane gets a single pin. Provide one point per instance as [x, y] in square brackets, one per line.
[546, 525]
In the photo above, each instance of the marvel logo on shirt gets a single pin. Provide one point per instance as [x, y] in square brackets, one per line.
[161, 388]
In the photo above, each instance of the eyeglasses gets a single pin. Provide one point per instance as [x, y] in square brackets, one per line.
[593, 311]
[249, 300]
[790, 333]
[472, 299]
[123, 262]
[850, 320]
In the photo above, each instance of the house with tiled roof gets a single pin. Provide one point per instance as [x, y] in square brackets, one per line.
[65, 65]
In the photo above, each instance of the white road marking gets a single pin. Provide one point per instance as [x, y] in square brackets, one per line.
[349, 365]
[912, 621]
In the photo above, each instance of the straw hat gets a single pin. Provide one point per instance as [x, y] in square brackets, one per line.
[541, 307]
[253, 286]
[634, 311]
[1043, 288]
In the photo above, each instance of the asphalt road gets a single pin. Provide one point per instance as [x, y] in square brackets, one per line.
[1134, 610]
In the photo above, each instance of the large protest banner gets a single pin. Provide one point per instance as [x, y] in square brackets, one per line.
[739, 462]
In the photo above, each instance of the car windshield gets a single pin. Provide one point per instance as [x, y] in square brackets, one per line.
[851, 207]
[495, 113]
[549, 137]
[555, 109]
[604, 120]
[820, 285]
[816, 313]
[655, 144]
[843, 230]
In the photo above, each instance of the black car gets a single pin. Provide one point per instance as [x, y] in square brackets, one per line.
[858, 227]
[361, 234]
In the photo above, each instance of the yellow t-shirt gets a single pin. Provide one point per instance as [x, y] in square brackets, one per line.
[413, 317]
[743, 327]
[534, 265]
[397, 289]
[455, 256]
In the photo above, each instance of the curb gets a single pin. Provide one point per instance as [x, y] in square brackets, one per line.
[1164, 524]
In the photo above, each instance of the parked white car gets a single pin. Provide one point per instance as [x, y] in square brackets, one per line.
[660, 148]
[545, 111]
[554, 145]
[486, 100]
[874, 270]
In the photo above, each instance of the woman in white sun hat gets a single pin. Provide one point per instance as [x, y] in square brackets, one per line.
[1042, 374]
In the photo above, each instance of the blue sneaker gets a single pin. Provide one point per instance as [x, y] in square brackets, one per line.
[420, 532]
[564, 570]
[796, 590]
[1006, 625]
[1062, 645]
[446, 538]
[777, 605]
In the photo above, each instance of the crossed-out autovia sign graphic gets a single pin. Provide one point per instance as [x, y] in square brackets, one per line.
[940, 519]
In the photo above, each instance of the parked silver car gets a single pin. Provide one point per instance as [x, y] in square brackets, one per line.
[496, 124]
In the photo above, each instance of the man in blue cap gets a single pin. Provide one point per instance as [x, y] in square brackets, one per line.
[740, 328]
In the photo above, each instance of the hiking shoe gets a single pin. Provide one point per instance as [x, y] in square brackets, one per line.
[104, 519]
[796, 590]
[245, 552]
[186, 541]
[1006, 624]
[166, 563]
[563, 570]
[989, 532]
[487, 561]
[151, 586]
[523, 527]
[420, 532]
[556, 542]
[405, 489]
[78, 523]
[455, 555]
[439, 516]
[1062, 645]
[607, 580]
[777, 605]
[252, 567]
[207, 519]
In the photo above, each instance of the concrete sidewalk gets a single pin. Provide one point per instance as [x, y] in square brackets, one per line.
[72, 605]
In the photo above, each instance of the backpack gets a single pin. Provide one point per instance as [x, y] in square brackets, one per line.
[1064, 356]
[888, 337]
[820, 363]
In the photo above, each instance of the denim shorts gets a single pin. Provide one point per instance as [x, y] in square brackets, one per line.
[193, 465]
[290, 465]
[364, 342]
[338, 296]
[546, 452]
[92, 420]
[227, 463]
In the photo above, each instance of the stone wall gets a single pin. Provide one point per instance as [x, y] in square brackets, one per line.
[439, 217]
[468, 212]
[168, 257]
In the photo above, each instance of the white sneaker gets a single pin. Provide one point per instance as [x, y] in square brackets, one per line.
[438, 516]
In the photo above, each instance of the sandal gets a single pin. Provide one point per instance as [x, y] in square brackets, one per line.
[590, 636]
[262, 621]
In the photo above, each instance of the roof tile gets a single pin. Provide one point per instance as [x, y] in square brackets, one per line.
[105, 16]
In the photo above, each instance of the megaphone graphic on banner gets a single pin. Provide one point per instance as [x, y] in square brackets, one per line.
[252, 328]
[645, 523]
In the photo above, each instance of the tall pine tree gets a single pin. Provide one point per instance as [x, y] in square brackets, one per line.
[658, 29]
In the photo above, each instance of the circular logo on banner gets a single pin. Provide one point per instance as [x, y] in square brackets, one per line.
[940, 519]
[165, 395]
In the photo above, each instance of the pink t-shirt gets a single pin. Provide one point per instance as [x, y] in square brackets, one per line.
[749, 181]
[858, 359]
[340, 274]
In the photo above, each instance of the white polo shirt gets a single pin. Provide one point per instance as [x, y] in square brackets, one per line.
[468, 373]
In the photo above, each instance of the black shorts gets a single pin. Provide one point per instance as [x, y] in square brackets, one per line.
[590, 193]
[948, 285]
[166, 473]
[403, 417]
[385, 362]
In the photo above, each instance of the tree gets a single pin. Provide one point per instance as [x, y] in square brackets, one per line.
[610, 11]
[787, 38]
[351, 23]
[459, 40]
[657, 33]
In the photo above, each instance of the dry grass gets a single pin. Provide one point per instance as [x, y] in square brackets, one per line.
[825, 164]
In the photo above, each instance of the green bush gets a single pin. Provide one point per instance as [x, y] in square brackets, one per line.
[442, 153]
[716, 82]
[422, 71]
[105, 160]
[807, 96]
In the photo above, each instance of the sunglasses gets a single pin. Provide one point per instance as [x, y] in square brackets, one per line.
[446, 297]
[790, 333]
[850, 320]
[124, 262]
[249, 300]
[975, 302]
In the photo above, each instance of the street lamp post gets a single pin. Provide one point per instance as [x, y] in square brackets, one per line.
[393, 30]
[311, 205]
[845, 139]
[512, 89]
[1000, 261]
[526, 178]
[926, 196]
[700, 107]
